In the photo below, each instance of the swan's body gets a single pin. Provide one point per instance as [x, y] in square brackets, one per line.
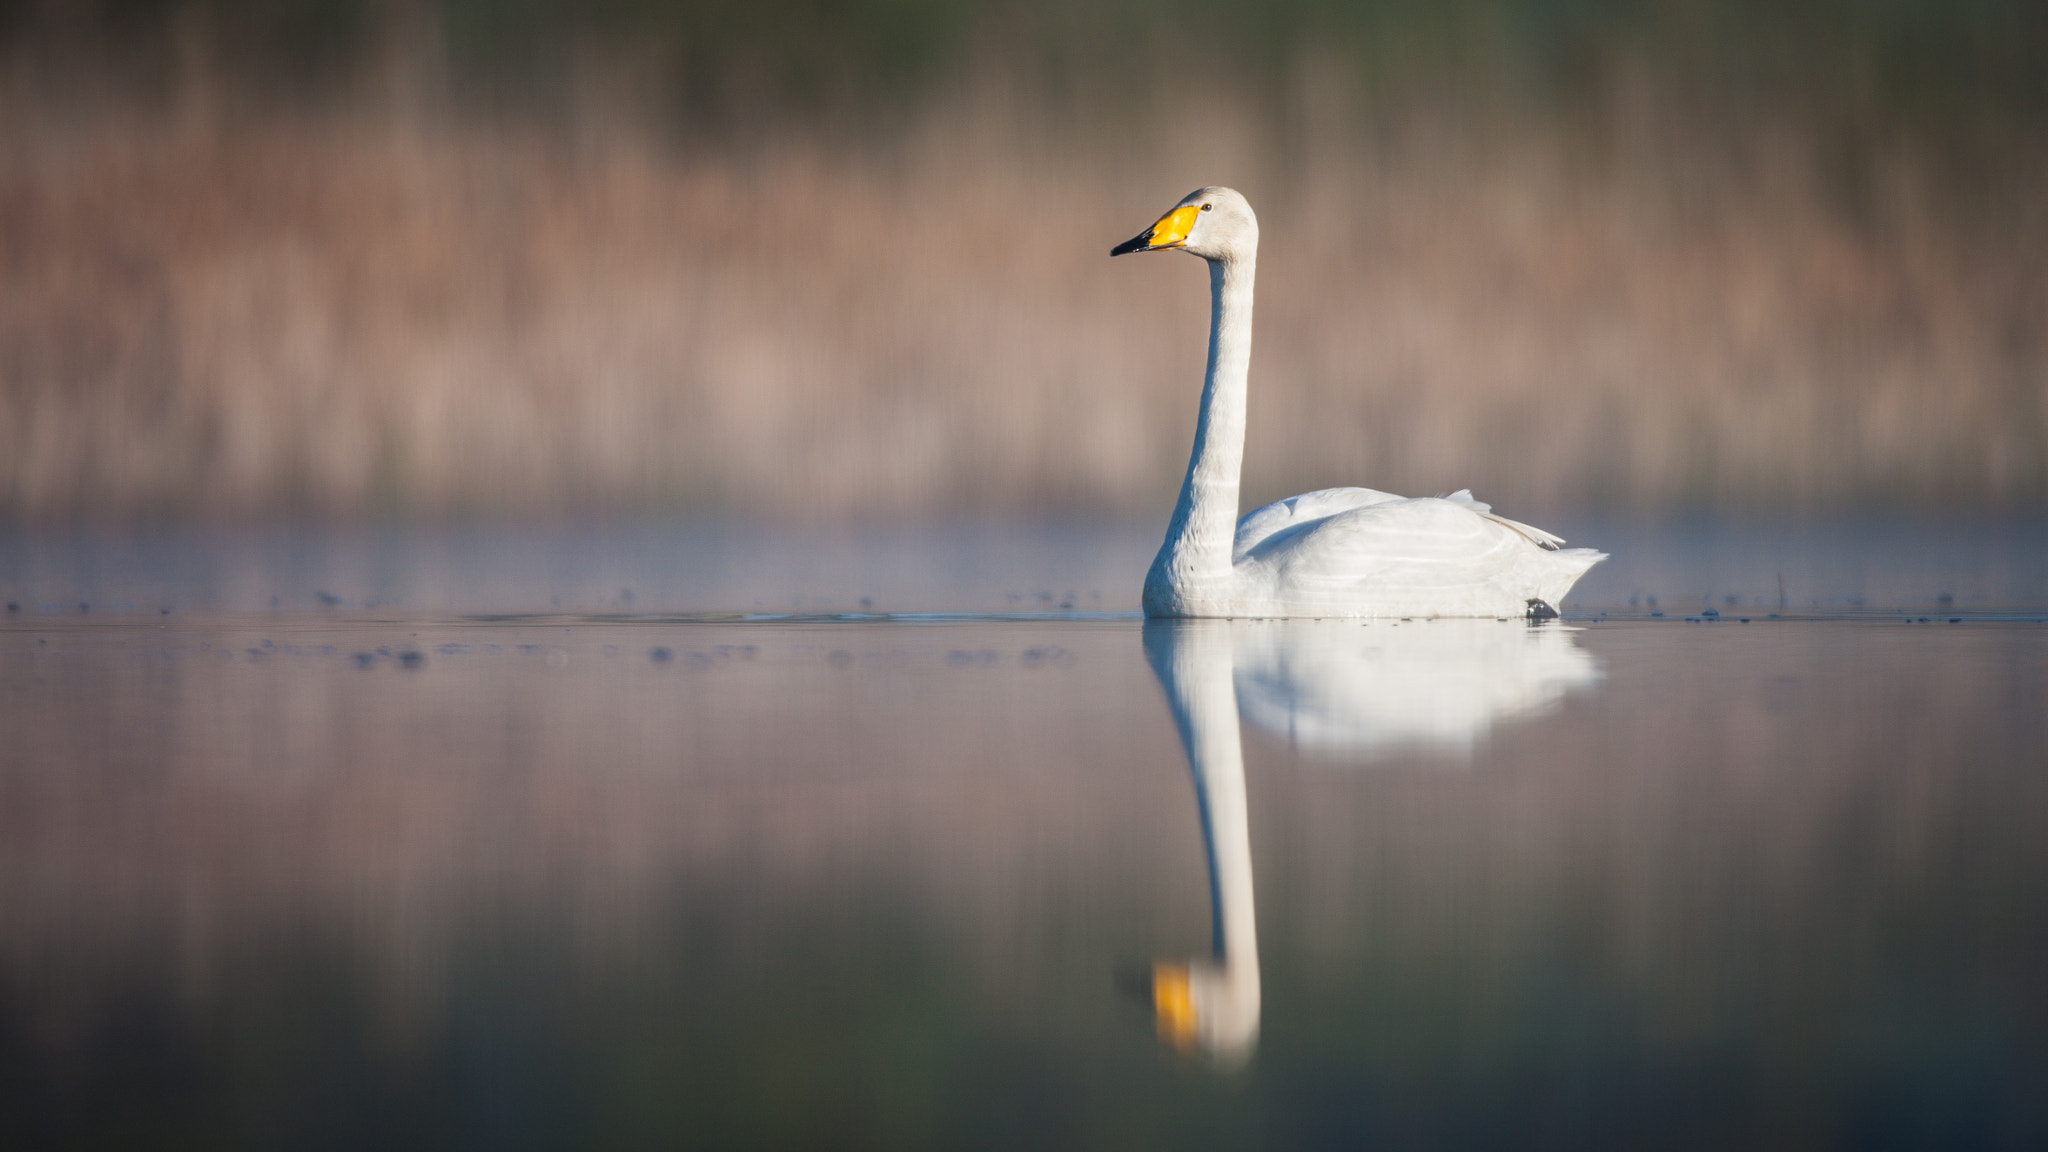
[1337, 552]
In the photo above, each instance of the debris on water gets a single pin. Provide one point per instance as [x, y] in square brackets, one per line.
[1955, 619]
[867, 603]
[14, 605]
[1710, 615]
[1945, 599]
[164, 611]
[1745, 619]
[328, 599]
[661, 655]
[84, 607]
[1656, 614]
[364, 659]
[411, 659]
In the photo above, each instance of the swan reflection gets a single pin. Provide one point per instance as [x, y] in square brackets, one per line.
[1362, 691]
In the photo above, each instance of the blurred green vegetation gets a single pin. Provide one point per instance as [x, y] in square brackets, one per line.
[1974, 68]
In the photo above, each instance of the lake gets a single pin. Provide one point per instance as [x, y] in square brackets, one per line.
[653, 836]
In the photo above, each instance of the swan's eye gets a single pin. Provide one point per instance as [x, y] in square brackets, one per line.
[1206, 207]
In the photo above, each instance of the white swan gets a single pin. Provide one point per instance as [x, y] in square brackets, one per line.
[1337, 552]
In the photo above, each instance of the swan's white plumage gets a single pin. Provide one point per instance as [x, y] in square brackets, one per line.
[1336, 552]
[1427, 556]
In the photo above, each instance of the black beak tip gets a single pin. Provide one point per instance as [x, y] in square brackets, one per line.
[1134, 244]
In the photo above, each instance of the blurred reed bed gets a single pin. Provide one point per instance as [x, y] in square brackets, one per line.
[437, 260]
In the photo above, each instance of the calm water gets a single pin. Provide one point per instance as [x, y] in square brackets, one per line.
[497, 845]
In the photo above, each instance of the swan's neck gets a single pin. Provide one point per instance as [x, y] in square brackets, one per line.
[1192, 574]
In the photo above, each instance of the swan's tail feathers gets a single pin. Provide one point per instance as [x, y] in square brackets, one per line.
[1542, 539]
[1566, 565]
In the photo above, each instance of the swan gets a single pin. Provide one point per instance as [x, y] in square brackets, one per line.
[1338, 552]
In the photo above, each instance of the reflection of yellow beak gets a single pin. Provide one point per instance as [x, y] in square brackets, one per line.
[1173, 1001]
[1171, 232]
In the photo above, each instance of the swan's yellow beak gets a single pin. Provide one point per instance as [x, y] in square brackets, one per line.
[1171, 232]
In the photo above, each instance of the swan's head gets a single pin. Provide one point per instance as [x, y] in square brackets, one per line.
[1213, 223]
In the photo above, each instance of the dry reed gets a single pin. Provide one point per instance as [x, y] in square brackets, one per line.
[327, 311]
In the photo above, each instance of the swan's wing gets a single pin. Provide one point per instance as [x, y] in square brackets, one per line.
[1428, 556]
[1427, 541]
[1536, 536]
[1262, 523]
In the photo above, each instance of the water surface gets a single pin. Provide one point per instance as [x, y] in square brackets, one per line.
[532, 876]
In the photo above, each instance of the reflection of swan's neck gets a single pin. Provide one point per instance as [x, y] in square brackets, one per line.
[1194, 666]
[1193, 566]
[1219, 773]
